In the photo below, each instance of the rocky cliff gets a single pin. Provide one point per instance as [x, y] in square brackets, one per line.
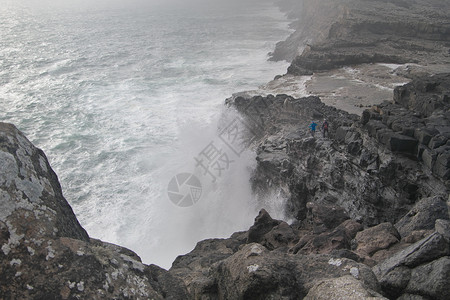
[374, 190]
[369, 201]
[46, 254]
[332, 34]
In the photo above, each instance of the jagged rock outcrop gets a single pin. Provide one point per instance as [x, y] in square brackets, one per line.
[422, 269]
[417, 122]
[370, 169]
[373, 184]
[46, 254]
[240, 268]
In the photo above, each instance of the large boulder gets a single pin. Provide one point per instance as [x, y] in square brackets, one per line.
[425, 250]
[431, 279]
[423, 215]
[329, 241]
[31, 200]
[376, 238]
[263, 224]
[342, 288]
[46, 254]
[257, 273]
[325, 217]
[420, 269]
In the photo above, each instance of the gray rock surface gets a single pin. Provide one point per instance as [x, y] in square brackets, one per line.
[376, 238]
[423, 215]
[331, 34]
[420, 269]
[431, 279]
[366, 170]
[46, 254]
[31, 193]
[342, 288]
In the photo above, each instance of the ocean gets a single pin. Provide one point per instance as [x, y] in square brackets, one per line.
[125, 96]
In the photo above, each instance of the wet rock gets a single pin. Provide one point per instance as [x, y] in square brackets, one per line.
[196, 267]
[328, 242]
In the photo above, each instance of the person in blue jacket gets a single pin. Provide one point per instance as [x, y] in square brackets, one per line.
[313, 126]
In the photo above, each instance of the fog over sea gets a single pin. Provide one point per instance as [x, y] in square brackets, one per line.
[124, 95]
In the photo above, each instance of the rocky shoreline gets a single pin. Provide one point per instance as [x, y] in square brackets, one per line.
[369, 202]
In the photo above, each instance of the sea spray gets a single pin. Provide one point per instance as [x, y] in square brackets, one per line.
[226, 205]
[123, 100]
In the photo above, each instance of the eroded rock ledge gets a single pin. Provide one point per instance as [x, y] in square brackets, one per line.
[334, 33]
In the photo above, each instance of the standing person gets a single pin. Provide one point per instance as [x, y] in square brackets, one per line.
[325, 127]
[312, 126]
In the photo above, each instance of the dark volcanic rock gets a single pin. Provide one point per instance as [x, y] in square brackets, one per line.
[431, 279]
[326, 216]
[349, 170]
[46, 254]
[330, 242]
[418, 123]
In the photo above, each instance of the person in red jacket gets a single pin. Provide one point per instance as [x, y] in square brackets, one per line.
[325, 128]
